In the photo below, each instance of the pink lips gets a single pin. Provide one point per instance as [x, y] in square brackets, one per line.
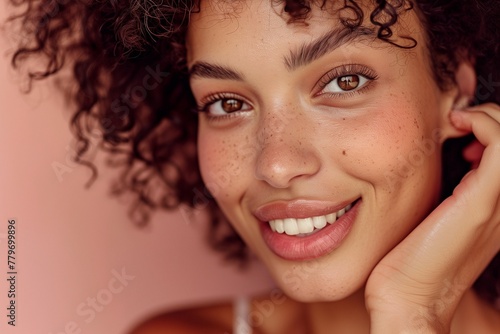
[312, 246]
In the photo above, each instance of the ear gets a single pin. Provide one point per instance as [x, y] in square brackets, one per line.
[461, 98]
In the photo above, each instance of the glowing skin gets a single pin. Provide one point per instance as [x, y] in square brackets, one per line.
[288, 138]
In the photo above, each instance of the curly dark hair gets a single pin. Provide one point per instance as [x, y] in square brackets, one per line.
[131, 84]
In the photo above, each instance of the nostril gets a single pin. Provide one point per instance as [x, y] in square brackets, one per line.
[279, 165]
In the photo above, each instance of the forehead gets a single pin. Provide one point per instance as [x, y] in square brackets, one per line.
[252, 27]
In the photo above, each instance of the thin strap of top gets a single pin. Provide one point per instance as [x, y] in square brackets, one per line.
[241, 306]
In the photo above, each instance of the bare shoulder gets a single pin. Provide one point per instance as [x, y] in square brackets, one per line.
[208, 319]
[271, 313]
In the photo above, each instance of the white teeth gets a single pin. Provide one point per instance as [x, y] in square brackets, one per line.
[319, 222]
[305, 226]
[291, 227]
[331, 218]
[280, 228]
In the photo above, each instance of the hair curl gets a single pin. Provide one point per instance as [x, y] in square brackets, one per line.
[116, 47]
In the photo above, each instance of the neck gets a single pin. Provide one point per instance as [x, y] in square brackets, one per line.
[348, 315]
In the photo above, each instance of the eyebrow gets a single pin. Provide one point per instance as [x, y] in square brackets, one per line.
[311, 51]
[206, 70]
[304, 55]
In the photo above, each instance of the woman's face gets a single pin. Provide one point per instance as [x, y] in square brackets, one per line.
[302, 122]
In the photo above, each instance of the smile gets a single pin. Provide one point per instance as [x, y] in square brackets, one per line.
[303, 227]
[304, 230]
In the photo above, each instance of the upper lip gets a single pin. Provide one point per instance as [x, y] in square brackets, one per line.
[299, 208]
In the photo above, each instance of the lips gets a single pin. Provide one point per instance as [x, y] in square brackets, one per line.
[296, 231]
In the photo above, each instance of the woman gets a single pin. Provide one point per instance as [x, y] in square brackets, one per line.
[319, 136]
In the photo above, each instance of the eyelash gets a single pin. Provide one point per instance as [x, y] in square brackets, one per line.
[345, 70]
[212, 98]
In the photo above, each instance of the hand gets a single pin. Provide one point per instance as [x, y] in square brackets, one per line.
[417, 287]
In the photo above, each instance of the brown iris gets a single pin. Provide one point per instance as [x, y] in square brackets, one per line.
[231, 105]
[348, 82]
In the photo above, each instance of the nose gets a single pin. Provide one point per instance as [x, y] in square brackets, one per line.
[286, 148]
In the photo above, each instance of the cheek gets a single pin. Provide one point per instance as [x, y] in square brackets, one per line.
[222, 163]
[398, 147]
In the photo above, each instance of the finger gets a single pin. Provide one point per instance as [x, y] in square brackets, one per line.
[485, 127]
[484, 182]
[489, 108]
[475, 120]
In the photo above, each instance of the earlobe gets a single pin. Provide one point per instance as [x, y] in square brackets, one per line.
[465, 78]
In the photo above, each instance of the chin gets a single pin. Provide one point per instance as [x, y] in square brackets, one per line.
[308, 281]
[326, 293]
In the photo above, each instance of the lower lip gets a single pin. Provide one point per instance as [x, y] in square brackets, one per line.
[313, 246]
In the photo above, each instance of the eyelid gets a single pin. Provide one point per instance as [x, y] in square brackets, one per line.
[211, 99]
[344, 70]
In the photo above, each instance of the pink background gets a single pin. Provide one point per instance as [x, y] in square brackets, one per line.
[72, 241]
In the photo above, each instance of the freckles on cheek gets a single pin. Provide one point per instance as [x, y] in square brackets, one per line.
[398, 147]
[412, 156]
[221, 165]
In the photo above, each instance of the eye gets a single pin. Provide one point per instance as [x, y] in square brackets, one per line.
[220, 105]
[226, 106]
[345, 80]
[345, 83]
